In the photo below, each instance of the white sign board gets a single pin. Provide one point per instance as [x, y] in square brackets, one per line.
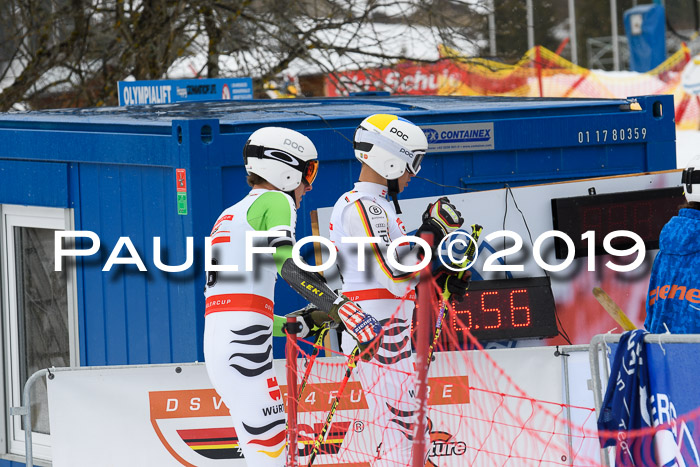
[527, 212]
[459, 137]
[169, 414]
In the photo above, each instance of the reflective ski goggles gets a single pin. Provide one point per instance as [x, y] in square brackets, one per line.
[417, 160]
[365, 140]
[308, 169]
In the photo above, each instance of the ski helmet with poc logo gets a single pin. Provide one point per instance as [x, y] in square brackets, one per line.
[281, 156]
[390, 145]
[691, 180]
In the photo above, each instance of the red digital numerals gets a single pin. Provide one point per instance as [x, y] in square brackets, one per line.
[485, 310]
[523, 310]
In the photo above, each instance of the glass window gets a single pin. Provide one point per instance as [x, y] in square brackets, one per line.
[42, 314]
[39, 314]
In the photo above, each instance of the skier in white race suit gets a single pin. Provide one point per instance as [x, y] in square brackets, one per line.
[391, 149]
[239, 320]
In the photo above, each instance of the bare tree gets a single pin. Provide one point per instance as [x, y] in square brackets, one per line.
[73, 52]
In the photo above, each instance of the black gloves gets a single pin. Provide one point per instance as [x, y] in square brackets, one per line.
[312, 320]
[440, 218]
[450, 281]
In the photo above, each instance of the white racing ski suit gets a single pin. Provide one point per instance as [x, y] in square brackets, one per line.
[388, 381]
[238, 325]
[239, 320]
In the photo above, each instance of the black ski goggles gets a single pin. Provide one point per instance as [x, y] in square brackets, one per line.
[308, 169]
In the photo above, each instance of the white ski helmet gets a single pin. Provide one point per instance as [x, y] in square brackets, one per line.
[691, 180]
[390, 145]
[281, 156]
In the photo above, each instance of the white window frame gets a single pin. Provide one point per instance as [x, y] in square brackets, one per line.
[12, 216]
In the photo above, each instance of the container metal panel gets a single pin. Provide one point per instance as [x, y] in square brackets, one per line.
[135, 316]
[34, 183]
[8, 463]
[80, 142]
[157, 305]
[92, 287]
[116, 168]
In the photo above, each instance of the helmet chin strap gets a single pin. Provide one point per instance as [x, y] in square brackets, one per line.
[393, 189]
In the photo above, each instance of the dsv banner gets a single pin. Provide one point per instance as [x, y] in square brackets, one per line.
[169, 414]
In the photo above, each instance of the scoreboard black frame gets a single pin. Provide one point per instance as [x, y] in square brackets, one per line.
[643, 212]
[506, 309]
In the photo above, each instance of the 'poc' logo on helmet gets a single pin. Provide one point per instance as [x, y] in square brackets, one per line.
[294, 144]
[399, 133]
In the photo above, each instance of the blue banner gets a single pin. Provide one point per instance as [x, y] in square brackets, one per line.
[653, 385]
[184, 90]
[626, 404]
[675, 392]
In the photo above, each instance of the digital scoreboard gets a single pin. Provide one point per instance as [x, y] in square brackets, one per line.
[506, 309]
[643, 212]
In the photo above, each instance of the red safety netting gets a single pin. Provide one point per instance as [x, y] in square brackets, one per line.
[477, 413]
[484, 407]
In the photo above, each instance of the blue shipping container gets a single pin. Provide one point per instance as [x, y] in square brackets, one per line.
[117, 169]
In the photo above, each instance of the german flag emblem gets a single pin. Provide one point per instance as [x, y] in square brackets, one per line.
[194, 426]
[213, 443]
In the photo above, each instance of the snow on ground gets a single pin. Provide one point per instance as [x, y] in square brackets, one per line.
[687, 146]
